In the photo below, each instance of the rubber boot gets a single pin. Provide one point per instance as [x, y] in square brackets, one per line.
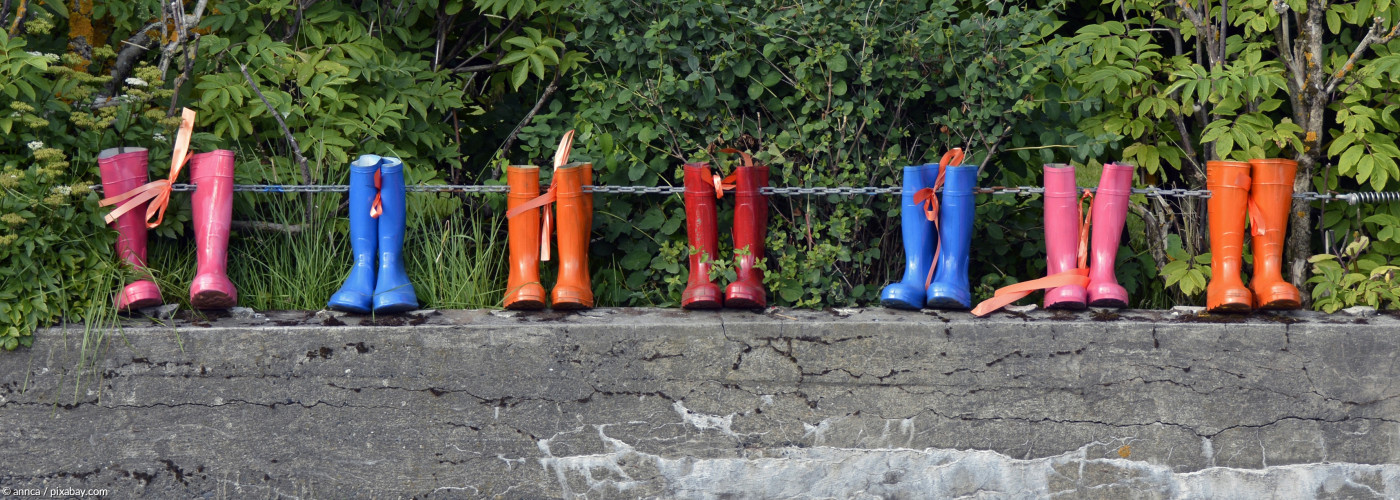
[212, 174]
[1110, 211]
[357, 294]
[574, 225]
[124, 169]
[919, 238]
[523, 288]
[950, 288]
[1229, 183]
[750, 231]
[702, 238]
[1062, 221]
[1272, 193]
[392, 291]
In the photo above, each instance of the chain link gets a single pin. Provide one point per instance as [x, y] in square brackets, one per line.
[1351, 198]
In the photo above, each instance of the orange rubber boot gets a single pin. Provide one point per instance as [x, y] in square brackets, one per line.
[1272, 193]
[1228, 182]
[574, 221]
[523, 288]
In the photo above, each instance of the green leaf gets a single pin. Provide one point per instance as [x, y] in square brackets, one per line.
[518, 75]
[837, 63]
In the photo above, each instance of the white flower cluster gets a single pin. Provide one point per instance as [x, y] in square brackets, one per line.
[36, 145]
[50, 57]
[159, 137]
[63, 190]
[136, 82]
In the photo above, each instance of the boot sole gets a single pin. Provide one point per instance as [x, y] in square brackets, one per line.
[212, 300]
[526, 305]
[1231, 308]
[1114, 303]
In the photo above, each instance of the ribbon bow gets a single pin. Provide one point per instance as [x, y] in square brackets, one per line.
[728, 182]
[157, 192]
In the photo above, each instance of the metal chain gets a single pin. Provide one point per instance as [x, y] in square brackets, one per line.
[1350, 198]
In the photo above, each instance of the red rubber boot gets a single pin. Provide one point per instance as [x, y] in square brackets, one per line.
[750, 231]
[124, 169]
[212, 174]
[703, 236]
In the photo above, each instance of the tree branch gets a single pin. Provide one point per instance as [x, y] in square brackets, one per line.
[461, 68]
[4, 12]
[548, 91]
[19, 16]
[296, 148]
[190, 53]
[1373, 35]
[1285, 42]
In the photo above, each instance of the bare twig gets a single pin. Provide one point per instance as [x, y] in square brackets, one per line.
[463, 68]
[1373, 35]
[4, 11]
[292, 141]
[190, 53]
[476, 69]
[252, 225]
[548, 91]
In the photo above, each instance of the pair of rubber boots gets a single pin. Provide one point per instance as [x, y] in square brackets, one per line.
[125, 169]
[378, 281]
[529, 230]
[750, 229]
[1064, 235]
[949, 240]
[1267, 195]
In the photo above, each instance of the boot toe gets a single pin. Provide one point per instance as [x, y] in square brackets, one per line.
[1279, 296]
[395, 300]
[1067, 297]
[901, 295]
[351, 301]
[944, 296]
[138, 295]
[212, 291]
[702, 296]
[741, 295]
[1220, 298]
[567, 298]
[1108, 295]
[528, 297]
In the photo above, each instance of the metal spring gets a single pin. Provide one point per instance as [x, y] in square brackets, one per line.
[1371, 197]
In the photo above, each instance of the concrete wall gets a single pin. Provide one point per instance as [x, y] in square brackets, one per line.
[646, 403]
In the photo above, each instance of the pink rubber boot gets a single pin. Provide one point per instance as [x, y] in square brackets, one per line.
[1110, 211]
[124, 169]
[1062, 235]
[212, 174]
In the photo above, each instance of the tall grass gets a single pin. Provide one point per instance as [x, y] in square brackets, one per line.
[453, 252]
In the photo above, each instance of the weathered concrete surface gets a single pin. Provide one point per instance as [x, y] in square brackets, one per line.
[665, 403]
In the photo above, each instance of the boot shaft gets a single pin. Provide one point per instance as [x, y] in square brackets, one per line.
[750, 209]
[1110, 213]
[700, 218]
[574, 226]
[1062, 218]
[124, 169]
[212, 204]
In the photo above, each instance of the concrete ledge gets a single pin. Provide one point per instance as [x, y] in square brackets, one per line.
[643, 403]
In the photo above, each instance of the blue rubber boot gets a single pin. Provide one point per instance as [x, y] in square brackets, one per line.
[357, 294]
[393, 293]
[908, 293]
[950, 289]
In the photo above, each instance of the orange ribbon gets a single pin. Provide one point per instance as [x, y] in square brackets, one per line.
[157, 192]
[561, 157]
[376, 208]
[929, 198]
[1004, 296]
[729, 182]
